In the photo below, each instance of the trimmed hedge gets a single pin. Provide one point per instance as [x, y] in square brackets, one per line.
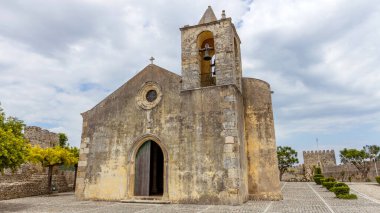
[321, 180]
[347, 196]
[338, 184]
[317, 178]
[378, 179]
[330, 179]
[341, 190]
[328, 185]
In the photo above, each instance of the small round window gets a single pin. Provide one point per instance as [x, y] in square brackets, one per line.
[151, 95]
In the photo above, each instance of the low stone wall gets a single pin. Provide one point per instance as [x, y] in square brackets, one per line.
[350, 172]
[36, 185]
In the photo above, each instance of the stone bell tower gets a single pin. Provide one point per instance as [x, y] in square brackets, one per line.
[210, 53]
[212, 144]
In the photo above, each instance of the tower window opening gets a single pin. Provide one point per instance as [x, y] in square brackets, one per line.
[206, 58]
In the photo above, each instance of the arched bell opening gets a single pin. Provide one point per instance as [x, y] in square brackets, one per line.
[206, 47]
[149, 170]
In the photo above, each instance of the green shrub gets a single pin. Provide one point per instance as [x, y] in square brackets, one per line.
[341, 190]
[321, 180]
[330, 179]
[347, 196]
[329, 185]
[338, 184]
[378, 179]
[317, 178]
[317, 171]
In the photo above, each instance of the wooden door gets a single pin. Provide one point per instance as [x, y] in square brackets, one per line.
[142, 170]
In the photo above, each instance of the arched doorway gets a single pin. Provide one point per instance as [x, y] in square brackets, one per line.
[149, 170]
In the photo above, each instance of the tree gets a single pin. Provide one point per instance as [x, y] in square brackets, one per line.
[359, 158]
[63, 140]
[14, 148]
[287, 157]
[75, 152]
[52, 156]
[374, 154]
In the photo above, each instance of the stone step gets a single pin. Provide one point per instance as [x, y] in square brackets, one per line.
[147, 201]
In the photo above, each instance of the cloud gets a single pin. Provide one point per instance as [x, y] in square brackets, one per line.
[60, 58]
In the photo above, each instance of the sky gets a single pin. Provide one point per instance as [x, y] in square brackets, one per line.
[321, 58]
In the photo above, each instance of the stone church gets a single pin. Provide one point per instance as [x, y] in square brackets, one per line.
[204, 137]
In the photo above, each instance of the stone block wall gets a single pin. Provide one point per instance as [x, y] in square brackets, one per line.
[325, 157]
[34, 185]
[41, 137]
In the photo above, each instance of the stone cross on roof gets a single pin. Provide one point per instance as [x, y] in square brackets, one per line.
[208, 16]
[151, 60]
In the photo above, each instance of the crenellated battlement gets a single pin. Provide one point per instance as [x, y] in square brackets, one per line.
[319, 157]
[320, 152]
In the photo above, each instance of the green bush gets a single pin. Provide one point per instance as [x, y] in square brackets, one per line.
[317, 171]
[347, 196]
[317, 178]
[378, 179]
[320, 181]
[338, 184]
[330, 179]
[341, 190]
[328, 185]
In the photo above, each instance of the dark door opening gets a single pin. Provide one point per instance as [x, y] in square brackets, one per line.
[149, 170]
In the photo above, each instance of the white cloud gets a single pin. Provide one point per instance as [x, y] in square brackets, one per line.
[60, 58]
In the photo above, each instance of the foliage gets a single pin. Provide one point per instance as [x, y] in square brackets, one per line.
[378, 179]
[317, 170]
[347, 196]
[359, 158]
[341, 190]
[287, 157]
[317, 178]
[14, 148]
[373, 151]
[62, 140]
[52, 156]
[328, 185]
[339, 184]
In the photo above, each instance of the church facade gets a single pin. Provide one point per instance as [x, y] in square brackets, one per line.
[204, 137]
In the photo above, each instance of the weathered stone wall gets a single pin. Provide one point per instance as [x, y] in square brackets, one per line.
[325, 157]
[31, 179]
[202, 137]
[350, 172]
[202, 131]
[34, 185]
[213, 161]
[41, 137]
[116, 127]
[227, 57]
[263, 174]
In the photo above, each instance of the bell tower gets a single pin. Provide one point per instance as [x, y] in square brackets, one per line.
[210, 53]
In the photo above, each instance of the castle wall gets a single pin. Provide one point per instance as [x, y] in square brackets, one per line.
[263, 173]
[212, 161]
[325, 157]
[41, 137]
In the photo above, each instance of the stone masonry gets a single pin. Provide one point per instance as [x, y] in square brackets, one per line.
[321, 158]
[213, 128]
[31, 179]
[41, 137]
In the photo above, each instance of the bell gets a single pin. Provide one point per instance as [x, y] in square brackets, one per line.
[206, 57]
